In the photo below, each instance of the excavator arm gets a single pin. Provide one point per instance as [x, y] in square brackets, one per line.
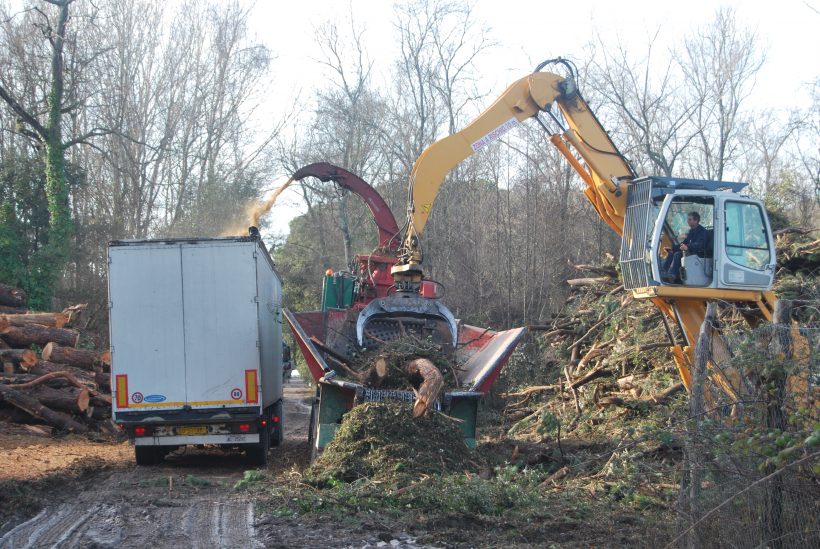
[586, 145]
[603, 169]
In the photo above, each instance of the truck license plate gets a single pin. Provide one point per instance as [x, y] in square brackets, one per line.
[192, 430]
[236, 438]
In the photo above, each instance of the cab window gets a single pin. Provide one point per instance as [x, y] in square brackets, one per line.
[746, 240]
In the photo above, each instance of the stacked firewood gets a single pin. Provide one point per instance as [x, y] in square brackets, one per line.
[65, 387]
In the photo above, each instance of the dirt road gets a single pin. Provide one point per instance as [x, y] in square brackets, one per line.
[188, 501]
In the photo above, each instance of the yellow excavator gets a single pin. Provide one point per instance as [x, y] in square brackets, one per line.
[736, 264]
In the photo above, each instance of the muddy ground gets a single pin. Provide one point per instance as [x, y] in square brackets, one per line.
[73, 492]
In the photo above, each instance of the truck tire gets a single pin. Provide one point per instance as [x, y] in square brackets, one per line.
[257, 454]
[148, 455]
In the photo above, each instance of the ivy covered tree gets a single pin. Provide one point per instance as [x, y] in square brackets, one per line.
[41, 119]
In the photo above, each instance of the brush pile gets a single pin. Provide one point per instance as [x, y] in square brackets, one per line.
[383, 442]
[606, 350]
[602, 345]
[46, 379]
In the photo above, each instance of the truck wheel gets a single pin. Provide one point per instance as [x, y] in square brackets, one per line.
[148, 455]
[257, 454]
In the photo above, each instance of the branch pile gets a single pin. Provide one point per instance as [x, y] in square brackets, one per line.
[65, 388]
[605, 345]
[408, 363]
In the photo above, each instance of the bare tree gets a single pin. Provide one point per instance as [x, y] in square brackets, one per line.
[720, 62]
[646, 102]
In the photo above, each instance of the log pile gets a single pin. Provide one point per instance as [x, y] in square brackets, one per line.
[65, 387]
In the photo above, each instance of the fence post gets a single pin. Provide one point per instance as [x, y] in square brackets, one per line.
[696, 408]
[775, 387]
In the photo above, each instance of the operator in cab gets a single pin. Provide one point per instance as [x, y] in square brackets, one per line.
[693, 244]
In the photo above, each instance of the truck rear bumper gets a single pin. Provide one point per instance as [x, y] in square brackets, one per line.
[181, 440]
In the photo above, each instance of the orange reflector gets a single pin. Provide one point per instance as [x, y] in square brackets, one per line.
[244, 427]
[122, 391]
[251, 392]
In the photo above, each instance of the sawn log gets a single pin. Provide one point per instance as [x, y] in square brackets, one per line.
[52, 320]
[37, 334]
[428, 391]
[21, 357]
[81, 358]
[34, 408]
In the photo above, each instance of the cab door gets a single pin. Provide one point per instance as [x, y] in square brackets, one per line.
[747, 255]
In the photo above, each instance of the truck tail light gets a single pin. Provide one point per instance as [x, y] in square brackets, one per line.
[140, 431]
[276, 419]
[245, 427]
[265, 422]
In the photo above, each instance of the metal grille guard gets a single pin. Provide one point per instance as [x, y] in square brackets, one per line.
[405, 306]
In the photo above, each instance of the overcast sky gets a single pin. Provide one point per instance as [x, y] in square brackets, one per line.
[527, 32]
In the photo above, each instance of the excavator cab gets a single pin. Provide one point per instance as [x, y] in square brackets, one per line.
[739, 252]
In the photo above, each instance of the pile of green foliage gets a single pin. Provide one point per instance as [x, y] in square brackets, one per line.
[382, 441]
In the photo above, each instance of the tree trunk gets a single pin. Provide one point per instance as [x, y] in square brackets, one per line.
[430, 387]
[43, 367]
[6, 310]
[52, 320]
[81, 358]
[36, 334]
[11, 296]
[34, 408]
[581, 282]
[70, 399]
[21, 357]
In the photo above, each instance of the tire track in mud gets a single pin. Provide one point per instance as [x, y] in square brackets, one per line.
[136, 506]
[204, 524]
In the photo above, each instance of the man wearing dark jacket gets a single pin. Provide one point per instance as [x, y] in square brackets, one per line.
[694, 244]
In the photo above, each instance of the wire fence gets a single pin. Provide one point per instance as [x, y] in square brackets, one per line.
[751, 473]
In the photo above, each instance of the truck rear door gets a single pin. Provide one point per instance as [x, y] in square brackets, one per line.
[147, 339]
[221, 328]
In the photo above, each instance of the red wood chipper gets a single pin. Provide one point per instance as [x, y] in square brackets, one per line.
[365, 309]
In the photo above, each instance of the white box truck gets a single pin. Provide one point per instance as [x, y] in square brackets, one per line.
[196, 344]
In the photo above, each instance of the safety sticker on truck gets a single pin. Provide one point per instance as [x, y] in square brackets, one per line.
[495, 134]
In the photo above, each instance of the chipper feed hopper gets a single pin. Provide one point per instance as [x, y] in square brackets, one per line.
[328, 337]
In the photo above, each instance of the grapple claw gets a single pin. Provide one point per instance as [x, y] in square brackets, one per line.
[405, 306]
